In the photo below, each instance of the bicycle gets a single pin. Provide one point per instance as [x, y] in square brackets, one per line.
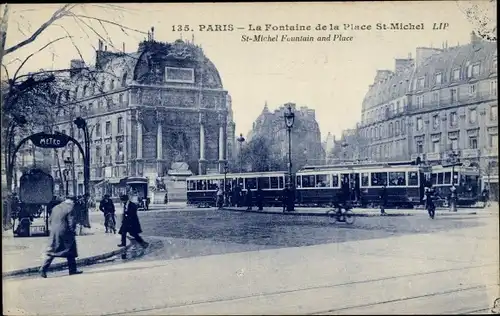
[341, 215]
[110, 223]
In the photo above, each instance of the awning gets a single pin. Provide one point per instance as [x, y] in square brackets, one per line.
[132, 180]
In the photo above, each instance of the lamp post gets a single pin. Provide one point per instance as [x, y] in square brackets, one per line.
[67, 163]
[453, 189]
[289, 120]
[240, 140]
[226, 168]
[82, 124]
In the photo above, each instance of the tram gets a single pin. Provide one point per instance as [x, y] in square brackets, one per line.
[202, 189]
[466, 180]
[361, 183]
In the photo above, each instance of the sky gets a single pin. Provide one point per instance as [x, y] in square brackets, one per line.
[331, 77]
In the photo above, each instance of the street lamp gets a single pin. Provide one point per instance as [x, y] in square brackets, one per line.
[344, 150]
[453, 195]
[240, 140]
[289, 120]
[82, 124]
[226, 168]
[67, 163]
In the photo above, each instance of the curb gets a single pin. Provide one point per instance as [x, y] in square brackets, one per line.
[63, 265]
[322, 214]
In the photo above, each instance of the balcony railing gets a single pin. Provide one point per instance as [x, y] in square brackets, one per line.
[470, 153]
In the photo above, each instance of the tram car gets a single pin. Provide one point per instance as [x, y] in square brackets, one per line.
[361, 184]
[202, 189]
[466, 181]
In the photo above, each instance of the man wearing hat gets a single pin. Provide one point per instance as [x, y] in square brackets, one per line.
[130, 223]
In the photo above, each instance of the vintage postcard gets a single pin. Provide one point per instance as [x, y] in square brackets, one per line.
[250, 158]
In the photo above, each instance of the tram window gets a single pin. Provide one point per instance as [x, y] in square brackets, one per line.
[335, 180]
[308, 181]
[447, 178]
[397, 178]
[434, 178]
[365, 179]
[251, 183]
[412, 178]
[322, 180]
[201, 185]
[455, 177]
[191, 185]
[282, 182]
[440, 178]
[379, 178]
[264, 183]
[212, 184]
[275, 183]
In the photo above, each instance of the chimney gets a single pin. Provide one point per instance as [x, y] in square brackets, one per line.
[402, 63]
[424, 53]
[123, 48]
[75, 67]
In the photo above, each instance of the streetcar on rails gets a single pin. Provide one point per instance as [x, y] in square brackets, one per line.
[361, 184]
[202, 189]
[465, 179]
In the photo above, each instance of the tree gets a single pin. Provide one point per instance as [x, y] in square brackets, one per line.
[258, 156]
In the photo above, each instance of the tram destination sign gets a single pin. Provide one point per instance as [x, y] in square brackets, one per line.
[44, 140]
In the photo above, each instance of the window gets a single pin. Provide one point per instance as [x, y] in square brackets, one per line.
[112, 84]
[435, 121]
[397, 178]
[399, 107]
[473, 142]
[412, 178]
[98, 154]
[493, 87]
[435, 97]
[473, 90]
[454, 95]
[438, 78]
[472, 116]
[108, 128]
[308, 181]
[274, 182]
[453, 118]
[98, 130]
[397, 128]
[101, 86]
[436, 146]
[84, 93]
[475, 70]
[108, 150]
[365, 179]
[264, 183]
[420, 124]
[420, 101]
[92, 89]
[119, 148]
[120, 125]
[454, 143]
[379, 178]
[493, 112]
[250, 183]
[124, 80]
[120, 99]
[322, 180]
[391, 129]
[494, 64]
[420, 146]
[456, 74]
[493, 141]
[447, 178]
[421, 83]
[335, 180]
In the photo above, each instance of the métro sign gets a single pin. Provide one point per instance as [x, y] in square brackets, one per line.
[44, 140]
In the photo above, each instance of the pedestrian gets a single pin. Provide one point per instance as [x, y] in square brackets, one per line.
[165, 199]
[284, 198]
[62, 240]
[260, 199]
[108, 208]
[248, 199]
[130, 223]
[485, 194]
[219, 197]
[236, 200]
[148, 200]
[383, 199]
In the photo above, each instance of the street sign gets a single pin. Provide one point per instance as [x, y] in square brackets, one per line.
[44, 140]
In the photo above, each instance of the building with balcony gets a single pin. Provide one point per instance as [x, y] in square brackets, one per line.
[444, 100]
[148, 112]
[306, 136]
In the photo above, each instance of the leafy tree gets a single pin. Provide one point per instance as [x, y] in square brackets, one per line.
[258, 156]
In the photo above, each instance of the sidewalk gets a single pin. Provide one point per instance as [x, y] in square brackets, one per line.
[401, 274]
[361, 212]
[23, 255]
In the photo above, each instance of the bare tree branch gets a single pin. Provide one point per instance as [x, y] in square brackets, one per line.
[32, 54]
[109, 22]
[60, 13]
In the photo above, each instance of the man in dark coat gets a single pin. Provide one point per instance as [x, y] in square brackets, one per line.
[62, 236]
[108, 208]
[260, 199]
[383, 199]
[130, 223]
[236, 200]
[249, 199]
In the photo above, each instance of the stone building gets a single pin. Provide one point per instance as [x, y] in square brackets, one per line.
[444, 100]
[149, 113]
[306, 136]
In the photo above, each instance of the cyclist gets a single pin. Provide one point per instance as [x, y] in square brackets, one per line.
[108, 208]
